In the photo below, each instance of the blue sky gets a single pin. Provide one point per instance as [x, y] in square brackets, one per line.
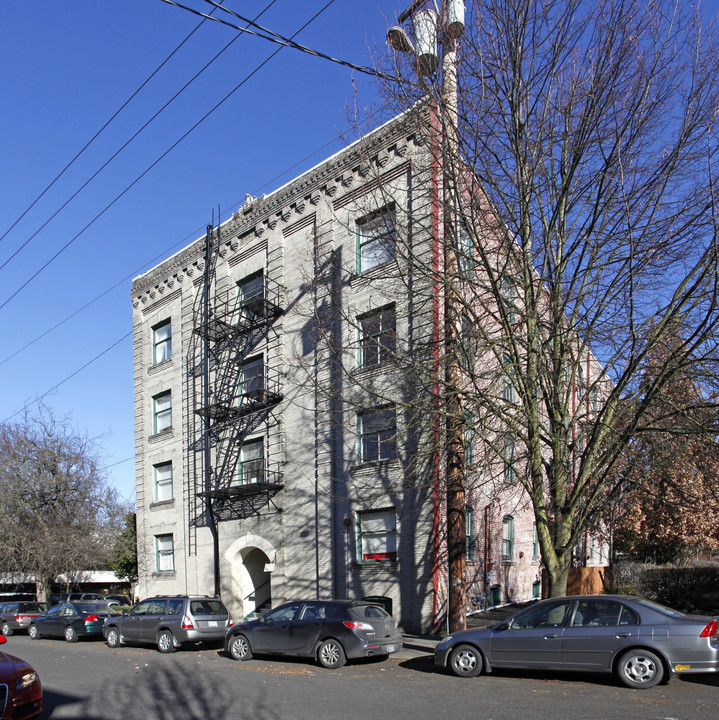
[65, 69]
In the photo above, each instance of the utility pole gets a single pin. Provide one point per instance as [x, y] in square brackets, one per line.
[428, 31]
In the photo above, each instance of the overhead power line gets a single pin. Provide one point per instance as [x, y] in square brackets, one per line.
[273, 37]
[95, 136]
[158, 160]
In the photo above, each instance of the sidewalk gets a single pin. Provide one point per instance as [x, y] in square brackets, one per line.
[417, 646]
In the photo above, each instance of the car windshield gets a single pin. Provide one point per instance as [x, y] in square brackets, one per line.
[31, 607]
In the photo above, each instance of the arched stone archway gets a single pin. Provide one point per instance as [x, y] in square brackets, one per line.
[252, 561]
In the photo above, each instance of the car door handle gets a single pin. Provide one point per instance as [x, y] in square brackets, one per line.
[624, 635]
[550, 637]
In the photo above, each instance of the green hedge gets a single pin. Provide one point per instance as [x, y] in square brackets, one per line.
[689, 589]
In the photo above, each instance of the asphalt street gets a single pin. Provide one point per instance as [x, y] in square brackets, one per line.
[89, 681]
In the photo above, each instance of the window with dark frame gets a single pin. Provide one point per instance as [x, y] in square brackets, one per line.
[507, 538]
[376, 434]
[376, 240]
[251, 465]
[377, 331]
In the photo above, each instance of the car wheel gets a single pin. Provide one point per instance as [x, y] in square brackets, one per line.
[640, 669]
[465, 661]
[6, 630]
[240, 648]
[331, 654]
[70, 634]
[165, 642]
[113, 637]
[33, 632]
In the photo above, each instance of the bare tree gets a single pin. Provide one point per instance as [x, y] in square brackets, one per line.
[583, 186]
[59, 514]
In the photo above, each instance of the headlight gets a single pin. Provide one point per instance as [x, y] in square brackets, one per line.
[26, 680]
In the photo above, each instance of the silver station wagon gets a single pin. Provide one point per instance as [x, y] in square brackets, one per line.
[641, 642]
[169, 622]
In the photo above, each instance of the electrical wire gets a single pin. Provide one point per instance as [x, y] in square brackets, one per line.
[158, 160]
[97, 134]
[125, 145]
[279, 39]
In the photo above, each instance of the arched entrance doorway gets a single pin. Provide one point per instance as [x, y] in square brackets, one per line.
[252, 561]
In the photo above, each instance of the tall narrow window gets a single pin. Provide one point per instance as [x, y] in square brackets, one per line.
[376, 435]
[509, 457]
[469, 531]
[470, 440]
[508, 297]
[376, 239]
[165, 553]
[468, 343]
[507, 538]
[535, 543]
[251, 295]
[377, 535]
[466, 251]
[508, 375]
[161, 342]
[163, 482]
[377, 337]
[252, 379]
[162, 412]
[251, 468]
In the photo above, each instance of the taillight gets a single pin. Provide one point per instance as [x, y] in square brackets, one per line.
[354, 625]
[91, 618]
[231, 622]
[711, 629]
[187, 623]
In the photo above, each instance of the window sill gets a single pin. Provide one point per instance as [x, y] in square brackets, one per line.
[373, 465]
[164, 575]
[159, 366]
[162, 504]
[157, 437]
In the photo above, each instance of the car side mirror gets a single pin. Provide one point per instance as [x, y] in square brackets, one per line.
[502, 627]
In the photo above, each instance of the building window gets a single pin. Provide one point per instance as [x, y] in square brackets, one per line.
[376, 238]
[252, 379]
[377, 337]
[466, 251]
[509, 457]
[161, 342]
[163, 482]
[507, 538]
[251, 467]
[508, 375]
[377, 535]
[535, 543]
[165, 553]
[508, 297]
[470, 439]
[162, 412]
[469, 530]
[468, 343]
[251, 295]
[376, 435]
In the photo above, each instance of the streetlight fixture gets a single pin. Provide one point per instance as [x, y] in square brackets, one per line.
[428, 32]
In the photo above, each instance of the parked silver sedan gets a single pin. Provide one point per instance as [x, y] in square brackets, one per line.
[638, 640]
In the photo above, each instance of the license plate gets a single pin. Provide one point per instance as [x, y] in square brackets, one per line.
[390, 648]
[212, 623]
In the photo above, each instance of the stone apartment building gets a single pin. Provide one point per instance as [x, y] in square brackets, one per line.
[281, 450]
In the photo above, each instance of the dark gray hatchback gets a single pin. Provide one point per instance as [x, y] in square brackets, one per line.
[329, 630]
[169, 622]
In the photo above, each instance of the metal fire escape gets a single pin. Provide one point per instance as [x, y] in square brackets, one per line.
[233, 394]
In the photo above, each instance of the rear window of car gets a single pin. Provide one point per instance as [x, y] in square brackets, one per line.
[372, 612]
[661, 608]
[207, 607]
[98, 608]
[30, 607]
